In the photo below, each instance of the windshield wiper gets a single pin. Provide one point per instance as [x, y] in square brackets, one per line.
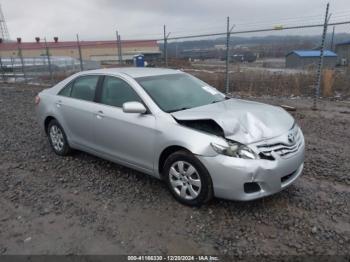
[217, 101]
[179, 109]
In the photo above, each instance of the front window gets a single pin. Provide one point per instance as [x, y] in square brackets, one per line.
[115, 92]
[177, 92]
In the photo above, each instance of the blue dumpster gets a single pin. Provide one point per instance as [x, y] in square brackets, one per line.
[139, 60]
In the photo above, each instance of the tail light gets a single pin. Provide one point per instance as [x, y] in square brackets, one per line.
[37, 100]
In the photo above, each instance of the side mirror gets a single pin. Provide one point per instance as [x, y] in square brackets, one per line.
[134, 107]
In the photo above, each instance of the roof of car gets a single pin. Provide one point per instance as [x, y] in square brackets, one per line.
[136, 72]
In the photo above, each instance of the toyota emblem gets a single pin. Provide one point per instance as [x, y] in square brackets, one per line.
[291, 138]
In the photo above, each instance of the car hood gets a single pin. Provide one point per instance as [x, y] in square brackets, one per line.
[242, 121]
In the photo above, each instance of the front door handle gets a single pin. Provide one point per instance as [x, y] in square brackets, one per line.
[99, 114]
[59, 103]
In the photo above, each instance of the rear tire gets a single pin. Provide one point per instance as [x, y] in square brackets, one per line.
[58, 139]
[187, 178]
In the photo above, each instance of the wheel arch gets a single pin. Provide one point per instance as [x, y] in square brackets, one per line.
[166, 153]
[47, 121]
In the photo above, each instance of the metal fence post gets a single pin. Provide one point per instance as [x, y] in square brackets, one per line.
[35, 69]
[119, 49]
[228, 36]
[332, 40]
[165, 48]
[227, 82]
[320, 64]
[22, 63]
[2, 71]
[118, 55]
[80, 54]
[49, 60]
[13, 69]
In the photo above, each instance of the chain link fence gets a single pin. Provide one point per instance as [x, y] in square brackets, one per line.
[291, 61]
[252, 73]
[279, 60]
[42, 68]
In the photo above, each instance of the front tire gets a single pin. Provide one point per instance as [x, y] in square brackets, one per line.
[58, 138]
[187, 178]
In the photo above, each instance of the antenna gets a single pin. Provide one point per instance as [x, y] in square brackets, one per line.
[4, 33]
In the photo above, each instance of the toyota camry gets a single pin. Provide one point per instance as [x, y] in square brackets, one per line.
[175, 127]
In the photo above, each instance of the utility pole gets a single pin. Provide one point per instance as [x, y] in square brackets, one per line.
[48, 60]
[80, 55]
[320, 64]
[229, 30]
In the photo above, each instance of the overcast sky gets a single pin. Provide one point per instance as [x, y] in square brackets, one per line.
[98, 19]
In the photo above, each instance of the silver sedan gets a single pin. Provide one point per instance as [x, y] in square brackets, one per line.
[173, 126]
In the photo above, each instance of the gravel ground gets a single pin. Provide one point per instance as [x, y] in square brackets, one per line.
[84, 205]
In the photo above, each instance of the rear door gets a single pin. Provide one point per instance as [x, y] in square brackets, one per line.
[76, 104]
[123, 136]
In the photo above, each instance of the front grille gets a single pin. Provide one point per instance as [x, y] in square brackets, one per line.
[283, 148]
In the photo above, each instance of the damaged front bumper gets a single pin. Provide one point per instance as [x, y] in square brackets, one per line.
[245, 179]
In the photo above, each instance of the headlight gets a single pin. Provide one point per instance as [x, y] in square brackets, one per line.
[235, 150]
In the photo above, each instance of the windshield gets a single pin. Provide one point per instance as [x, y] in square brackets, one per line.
[177, 92]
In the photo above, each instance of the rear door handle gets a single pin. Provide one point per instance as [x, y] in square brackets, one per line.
[99, 114]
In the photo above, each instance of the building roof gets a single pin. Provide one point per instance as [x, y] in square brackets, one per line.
[312, 53]
[344, 43]
[73, 44]
[136, 72]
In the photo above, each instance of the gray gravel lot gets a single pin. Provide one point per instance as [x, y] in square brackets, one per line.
[84, 205]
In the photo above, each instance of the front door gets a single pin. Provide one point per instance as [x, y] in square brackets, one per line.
[123, 136]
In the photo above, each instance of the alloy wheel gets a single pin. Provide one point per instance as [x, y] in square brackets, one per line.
[57, 139]
[185, 180]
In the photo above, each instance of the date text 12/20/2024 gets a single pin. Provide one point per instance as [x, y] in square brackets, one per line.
[173, 258]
